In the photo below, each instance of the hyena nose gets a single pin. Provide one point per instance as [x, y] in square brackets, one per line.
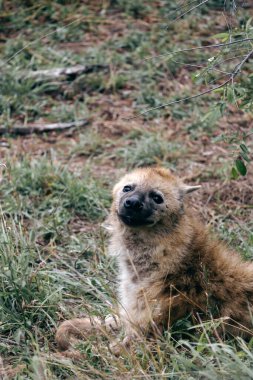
[133, 203]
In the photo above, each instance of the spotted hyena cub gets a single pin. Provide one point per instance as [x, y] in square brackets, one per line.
[169, 263]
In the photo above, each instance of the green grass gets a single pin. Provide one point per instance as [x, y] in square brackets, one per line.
[58, 274]
[53, 250]
[49, 197]
[37, 289]
[148, 148]
[29, 297]
[44, 185]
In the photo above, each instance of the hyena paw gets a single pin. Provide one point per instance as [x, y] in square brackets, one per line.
[72, 330]
[117, 346]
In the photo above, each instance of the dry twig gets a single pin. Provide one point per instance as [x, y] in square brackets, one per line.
[41, 128]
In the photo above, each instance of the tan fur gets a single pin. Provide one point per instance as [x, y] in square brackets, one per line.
[174, 267]
[80, 328]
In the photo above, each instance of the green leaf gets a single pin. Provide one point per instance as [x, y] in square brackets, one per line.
[234, 173]
[222, 107]
[230, 95]
[223, 36]
[248, 24]
[244, 148]
[240, 166]
[245, 156]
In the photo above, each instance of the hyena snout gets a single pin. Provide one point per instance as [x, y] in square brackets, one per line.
[133, 203]
[134, 210]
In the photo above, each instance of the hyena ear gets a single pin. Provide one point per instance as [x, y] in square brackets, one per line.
[186, 189]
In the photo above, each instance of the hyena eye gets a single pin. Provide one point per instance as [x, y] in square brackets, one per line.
[157, 198]
[127, 188]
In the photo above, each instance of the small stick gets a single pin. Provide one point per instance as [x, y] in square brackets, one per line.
[41, 128]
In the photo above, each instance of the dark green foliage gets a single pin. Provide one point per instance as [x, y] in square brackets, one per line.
[134, 8]
[240, 166]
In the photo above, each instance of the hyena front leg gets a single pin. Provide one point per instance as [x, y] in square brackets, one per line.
[137, 324]
[80, 328]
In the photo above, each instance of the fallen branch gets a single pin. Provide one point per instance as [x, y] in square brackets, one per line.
[60, 72]
[41, 128]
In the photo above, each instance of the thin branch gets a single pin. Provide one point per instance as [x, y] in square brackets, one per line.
[217, 79]
[181, 7]
[199, 48]
[229, 59]
[200, 66]
[181, 100]
[211, 67]
[240, 65]
[248, 135]
[191, 9]
[235, 72]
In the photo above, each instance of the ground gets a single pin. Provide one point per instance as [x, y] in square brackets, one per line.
[55, 187]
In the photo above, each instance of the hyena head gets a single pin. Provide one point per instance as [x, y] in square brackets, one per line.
[148, 196]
